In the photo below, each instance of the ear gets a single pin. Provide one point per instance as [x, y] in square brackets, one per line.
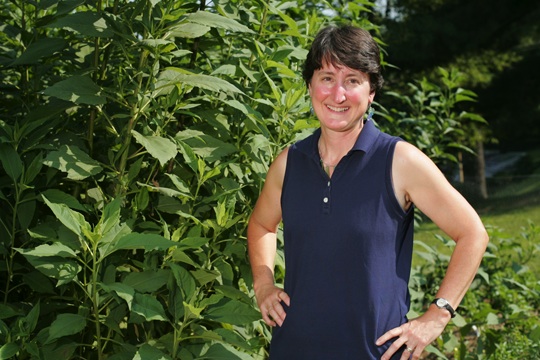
[371, 96]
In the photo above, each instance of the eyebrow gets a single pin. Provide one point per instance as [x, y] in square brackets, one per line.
[355, 73]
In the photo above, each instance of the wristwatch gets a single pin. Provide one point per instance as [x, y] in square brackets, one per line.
[443, 304]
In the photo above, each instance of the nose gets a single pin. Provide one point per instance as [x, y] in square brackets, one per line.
[339, 93]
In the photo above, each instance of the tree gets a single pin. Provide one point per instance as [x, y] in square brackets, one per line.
[494, 48]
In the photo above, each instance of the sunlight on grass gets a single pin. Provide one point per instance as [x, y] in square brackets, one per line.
[510, 224]
[513, 204]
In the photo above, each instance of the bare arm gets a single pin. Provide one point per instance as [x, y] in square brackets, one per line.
[262, 242]
[418, 180]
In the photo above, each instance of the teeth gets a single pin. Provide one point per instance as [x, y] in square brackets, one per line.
[338, 109]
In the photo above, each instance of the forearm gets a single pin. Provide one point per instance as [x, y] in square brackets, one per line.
[463, 267]
[262, 250]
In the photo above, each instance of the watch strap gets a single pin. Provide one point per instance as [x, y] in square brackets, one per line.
[446, 306]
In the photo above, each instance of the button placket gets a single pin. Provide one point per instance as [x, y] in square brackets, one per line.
[326, 198]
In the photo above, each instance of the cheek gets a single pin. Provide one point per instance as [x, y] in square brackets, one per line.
[363, 96]
[319, 93]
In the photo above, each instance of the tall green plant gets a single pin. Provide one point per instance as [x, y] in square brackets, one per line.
[135, 136]
[499, 308]
[431, 116]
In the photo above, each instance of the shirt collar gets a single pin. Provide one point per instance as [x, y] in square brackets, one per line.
[367, 137]
[364, 142]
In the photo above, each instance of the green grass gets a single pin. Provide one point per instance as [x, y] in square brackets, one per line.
[514, 202]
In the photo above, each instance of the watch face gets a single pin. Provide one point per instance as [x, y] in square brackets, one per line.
[441, 302]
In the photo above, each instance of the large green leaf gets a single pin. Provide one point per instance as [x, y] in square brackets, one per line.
[66, 324]
[206, 146]
[180, 185]
[148, 352]
[8, 350]
[159, 147]
[73, 220]
[110, 217]
[225, 351]
[175, 304]
[11, 162]
[147, 281]
[215, 20]
[184, 280]
[7, 311]
[43, 47]
[204, 276]
[32, 318]
[172, 77]
[148, 307]
[33, 169]
[189, 30]
[55, 267]
[59, 197]
[232, 312]
[122, 290]
[75, 162]
[66, 6]
[193, 242]
[78, 89]
[26, 209]
[140, 241]
[86, 23]
[55, 249]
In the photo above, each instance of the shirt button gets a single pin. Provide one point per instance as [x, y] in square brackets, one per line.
[329, 184]
[325, 200]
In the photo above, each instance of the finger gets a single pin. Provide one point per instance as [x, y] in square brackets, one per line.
[278, 313]
[283, 296]
[390, 334]
[394, 348]
[407, 353]
[267, 319]
[417, 353]
[266, 310]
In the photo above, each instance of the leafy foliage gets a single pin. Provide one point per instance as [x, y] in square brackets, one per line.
[134, 138]
[501, 306]
[428, 114]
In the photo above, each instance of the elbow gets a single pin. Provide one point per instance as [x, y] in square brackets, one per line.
[476, 239]
[484, 236]
[481, 239]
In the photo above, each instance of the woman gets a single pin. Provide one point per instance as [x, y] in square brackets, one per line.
[346, 196]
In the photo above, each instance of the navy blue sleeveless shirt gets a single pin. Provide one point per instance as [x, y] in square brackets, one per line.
[348, 251]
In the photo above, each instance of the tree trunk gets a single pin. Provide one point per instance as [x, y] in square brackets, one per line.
[481, 169]
[461, 168]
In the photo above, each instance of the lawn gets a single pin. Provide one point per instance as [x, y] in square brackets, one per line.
[513, 204]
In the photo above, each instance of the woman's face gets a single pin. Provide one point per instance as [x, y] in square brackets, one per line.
[340, 96]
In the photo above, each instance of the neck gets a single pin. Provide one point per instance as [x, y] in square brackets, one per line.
[334, 145]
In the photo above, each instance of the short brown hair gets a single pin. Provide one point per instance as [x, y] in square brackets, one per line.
[348, 46]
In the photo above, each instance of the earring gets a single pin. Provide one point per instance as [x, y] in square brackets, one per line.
[311, 111]
[370, 112]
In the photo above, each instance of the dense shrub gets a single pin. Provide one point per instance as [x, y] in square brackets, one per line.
[498, 318]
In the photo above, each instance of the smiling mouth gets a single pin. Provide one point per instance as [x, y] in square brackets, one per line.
[337, 109]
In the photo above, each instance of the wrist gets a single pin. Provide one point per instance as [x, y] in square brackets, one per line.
[258, 285]
[444, 306]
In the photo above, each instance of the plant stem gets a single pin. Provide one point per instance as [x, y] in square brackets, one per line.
[134, 112]
[9, 262]
[95, 299]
